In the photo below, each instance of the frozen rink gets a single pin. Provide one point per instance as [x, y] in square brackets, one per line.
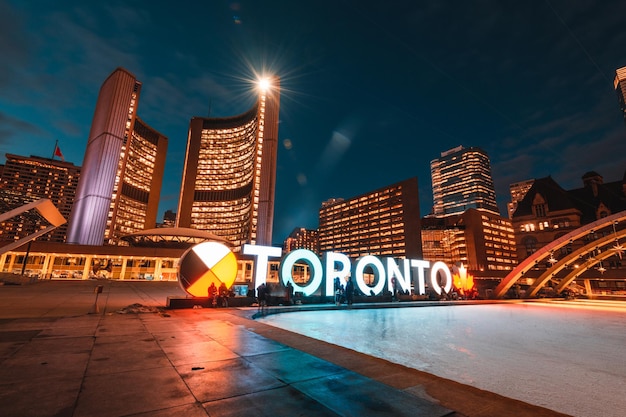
[567, 356]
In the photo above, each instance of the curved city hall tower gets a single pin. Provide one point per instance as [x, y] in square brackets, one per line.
[229, 176]
[120, 184]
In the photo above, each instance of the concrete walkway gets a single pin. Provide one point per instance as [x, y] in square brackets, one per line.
[64, 355]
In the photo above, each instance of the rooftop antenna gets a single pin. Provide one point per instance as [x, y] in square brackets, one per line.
[209, 114]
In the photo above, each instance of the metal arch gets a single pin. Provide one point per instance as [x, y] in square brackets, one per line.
[566, 280]
[561, 264]
[532, 260]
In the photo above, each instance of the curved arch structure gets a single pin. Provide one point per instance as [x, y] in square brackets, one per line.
[545, 253]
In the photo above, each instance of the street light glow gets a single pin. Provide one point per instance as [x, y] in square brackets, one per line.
[264, 84]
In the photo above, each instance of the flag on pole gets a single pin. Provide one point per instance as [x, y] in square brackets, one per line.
[57, 152]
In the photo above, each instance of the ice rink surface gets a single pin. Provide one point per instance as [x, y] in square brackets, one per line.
[567, 356]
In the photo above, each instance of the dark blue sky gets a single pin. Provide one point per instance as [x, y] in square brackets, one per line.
[371, 91]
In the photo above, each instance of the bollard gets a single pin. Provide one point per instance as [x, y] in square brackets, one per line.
[98, 291]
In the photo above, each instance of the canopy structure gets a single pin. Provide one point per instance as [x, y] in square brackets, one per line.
[172, 237]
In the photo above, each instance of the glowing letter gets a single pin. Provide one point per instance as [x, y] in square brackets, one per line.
[379, 270]
[420, 265]
[331, 260]
[446, 272]
[262, 253]
[402, 278]
[314, 262]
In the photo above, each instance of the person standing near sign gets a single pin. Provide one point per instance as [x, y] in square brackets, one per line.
[349, 291]
[212, 293]
[289, 293]
[223, 295]
[262, 296]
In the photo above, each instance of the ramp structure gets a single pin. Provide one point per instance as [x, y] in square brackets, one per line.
[46, 209]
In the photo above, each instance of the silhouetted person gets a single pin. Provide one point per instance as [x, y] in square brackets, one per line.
[223, 295]
[349, 291]
[289, 293]
[262, 297]
[212, 294]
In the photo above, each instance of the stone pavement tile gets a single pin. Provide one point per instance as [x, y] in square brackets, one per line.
[293, 365]
[71, 326]
[7, 349]
[353, 395]
[197, 353]
[23, 367]
[133, 392]
[40, 346]
[280, 402]
[39, 397]
[13, 340]
[174, 338]
[215, 327]
[155, 323]
[125, 353]
[224, 379]
[246, 343]
[119, 324]
[187, 410]
[26, 323]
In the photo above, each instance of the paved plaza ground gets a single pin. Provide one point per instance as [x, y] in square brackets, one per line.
[64, 355]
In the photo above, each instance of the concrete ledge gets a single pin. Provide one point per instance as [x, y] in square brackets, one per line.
[204, 302]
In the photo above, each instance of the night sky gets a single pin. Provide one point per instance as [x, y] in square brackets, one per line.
[371, 91]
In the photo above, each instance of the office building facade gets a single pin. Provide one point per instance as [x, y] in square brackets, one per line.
[229, 176]
[482, 241]
[461, 179]
[25, 179]
[384, 222]
[122, 170]
[548, 211]
[518, 190]
[302, 238]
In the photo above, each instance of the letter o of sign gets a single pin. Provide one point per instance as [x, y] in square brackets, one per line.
[440, 266]
[379, 270]
[286, 267]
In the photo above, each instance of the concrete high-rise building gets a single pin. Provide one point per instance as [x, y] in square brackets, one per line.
[229, 177]
[620, 88]
[302, 238]
[120, 185]
[461, 180]
[480, 240]
[384, 222]
[518, 191]
[31, 178]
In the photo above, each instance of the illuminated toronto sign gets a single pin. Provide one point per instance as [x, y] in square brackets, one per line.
[337, 265]
[213, 262]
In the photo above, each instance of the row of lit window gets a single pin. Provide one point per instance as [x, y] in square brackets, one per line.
[372, 204]
[392, 229]
[500, 260]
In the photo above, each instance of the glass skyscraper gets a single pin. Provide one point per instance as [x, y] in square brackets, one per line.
[120, 184]
[620, 88]
[461, 180]
[229, 175]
